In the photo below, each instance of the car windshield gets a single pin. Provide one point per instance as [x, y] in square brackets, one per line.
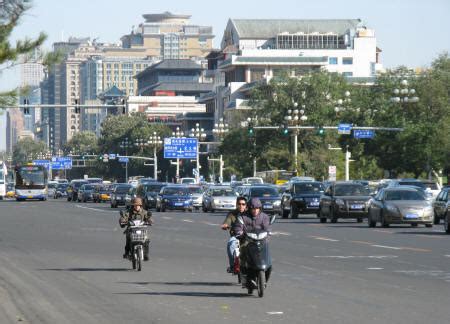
[308, 187]
[412, 183]
[195, 190]
[223, 193]
[403, 195]
[51, 185]
[350, 190]
[105, 189]
[77, 185]
[122, 189]
[62, 186]
[88, 187]
[152, 188]
[263, 192]
[431, 185]
[176, 191]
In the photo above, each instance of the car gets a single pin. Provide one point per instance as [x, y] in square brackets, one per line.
[51, 186]
[197, 196]
[94, 180]
[72, 190]
[61, 190]
[148, 191]
[400, 205]
[119, 193]
[102, 193]
[432, 187]
[302, 178]
[188, 181]
[131, 194]
[10, 190]
[174, 197]
[146, 180]
[85, 193]
[252, 180]
[441, 207]
[344, 199]
[301, 197]
[411, 182]
[218, 197]
[268, 195]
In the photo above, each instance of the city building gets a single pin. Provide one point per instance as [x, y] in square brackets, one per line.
[256, 50]
[169, 36]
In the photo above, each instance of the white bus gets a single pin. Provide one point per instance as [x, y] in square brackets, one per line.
[3, 173]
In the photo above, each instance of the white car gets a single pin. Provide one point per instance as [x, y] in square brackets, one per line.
[187, 181]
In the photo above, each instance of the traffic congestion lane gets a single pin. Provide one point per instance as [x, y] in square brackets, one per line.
[185, 278]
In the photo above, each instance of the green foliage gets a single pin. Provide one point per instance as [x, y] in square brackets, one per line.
[27, 149]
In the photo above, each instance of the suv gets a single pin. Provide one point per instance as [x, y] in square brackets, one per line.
[72, 190]
[118, 194]
[148, 191]
[301, 197]
[344, 200]
[268, 195]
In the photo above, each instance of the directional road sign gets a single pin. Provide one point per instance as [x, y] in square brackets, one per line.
[363, 133]
[123, 159]
[112, 156]
[181, 148]
[45, 163]
[344, 129]
[61, 163]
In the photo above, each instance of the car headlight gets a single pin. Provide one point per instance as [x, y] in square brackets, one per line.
[277, 203]
[340, 202]
[188, 201]
[392, 209]
[216, 201]
[298, 199]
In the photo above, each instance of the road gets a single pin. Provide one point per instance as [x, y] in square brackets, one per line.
[62, 262]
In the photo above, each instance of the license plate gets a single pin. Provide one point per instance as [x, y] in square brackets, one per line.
[138, 232]
[356, 206]
[119, 198]
[267, 206]
[30, 197]
[178, 204]
[314, 204]
[411, 216]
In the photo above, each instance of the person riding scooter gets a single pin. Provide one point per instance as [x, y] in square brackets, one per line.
[137, 212]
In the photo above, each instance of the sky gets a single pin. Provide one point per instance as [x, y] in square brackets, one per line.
[409, 32]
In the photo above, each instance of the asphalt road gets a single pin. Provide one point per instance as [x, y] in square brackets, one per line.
[62, 262]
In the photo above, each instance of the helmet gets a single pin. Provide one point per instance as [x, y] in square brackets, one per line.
[255, 203]
[137, 202]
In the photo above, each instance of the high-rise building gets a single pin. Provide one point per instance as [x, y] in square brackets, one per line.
[169, 36]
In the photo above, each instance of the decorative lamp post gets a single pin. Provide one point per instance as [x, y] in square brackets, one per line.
[220, 130]
[154, 142]
[293, 118]
[178, 134]
[253, 121]
[200, 134]
[125, 144]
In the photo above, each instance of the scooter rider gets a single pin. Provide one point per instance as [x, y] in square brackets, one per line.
[137, 212]
[255, 221]
[228, 224]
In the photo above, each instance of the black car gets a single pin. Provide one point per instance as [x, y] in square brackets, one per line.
[85, 193]
[441, 208]
[72, 190]
[61, 190]
[344, 200]
[301, 198]
[118, 194]
[148, 191]
[267, 194]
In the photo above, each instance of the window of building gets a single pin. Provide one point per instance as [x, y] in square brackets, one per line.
[347, 74]
[347, 60]
[257, 74]
[333, 60]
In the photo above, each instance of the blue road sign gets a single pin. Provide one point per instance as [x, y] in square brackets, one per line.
[123, 159]
[181, 148]
[45, 163]
[344, 129]
[112, 156]
[363, 133]
[61, 163]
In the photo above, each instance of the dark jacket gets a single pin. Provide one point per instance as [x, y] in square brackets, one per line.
[142, 215]
[231, 218]
[252, 224]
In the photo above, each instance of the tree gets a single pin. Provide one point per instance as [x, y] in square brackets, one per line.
[82, 143]
[26, 149]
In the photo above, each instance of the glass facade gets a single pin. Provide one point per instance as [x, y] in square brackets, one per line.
[310, 41]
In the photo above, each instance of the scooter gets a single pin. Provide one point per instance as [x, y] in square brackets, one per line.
[139, 236]
[256, 272]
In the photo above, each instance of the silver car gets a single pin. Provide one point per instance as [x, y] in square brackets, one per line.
[219, 198]
[400, 205]
[197, 196]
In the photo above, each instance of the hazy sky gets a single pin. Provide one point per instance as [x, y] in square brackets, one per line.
[410, 32]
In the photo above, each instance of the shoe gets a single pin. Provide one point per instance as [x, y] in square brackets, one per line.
[145, 257]
[228, 270]
[125, 255]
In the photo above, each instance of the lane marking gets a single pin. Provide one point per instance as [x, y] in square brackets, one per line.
[362, 242]
[188, 221]
[274, 313]
[387, 247]
[210, 224]
[166, 217]
[323, 238]
[98, 210]
[383, 231]
[356, 256]
[281, 233]
[314, 224]
[415, 249]
[375, 268]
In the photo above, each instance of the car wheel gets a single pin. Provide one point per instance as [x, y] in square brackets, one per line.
[428, 225]
[333, 218]
[359, 220]
[446, 224]
[383, 221]
[205, 210]
[370, 222]
[322, 218]
[293, 212]
[413, 224]
[436, 219]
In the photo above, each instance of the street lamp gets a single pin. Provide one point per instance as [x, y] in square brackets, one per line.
[253, 121]
[178, 133]
[340, 102]
[404, 94]
[220, 130]
[155, 141]
[294, 117]
[200, 134]
[125, 144]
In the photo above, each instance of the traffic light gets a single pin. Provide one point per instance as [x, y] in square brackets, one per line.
[26, 110]
[77, 108]
[284, 129]
[320, 131]
[251, 130]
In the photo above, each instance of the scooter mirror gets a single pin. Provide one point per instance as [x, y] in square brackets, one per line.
[272, 219]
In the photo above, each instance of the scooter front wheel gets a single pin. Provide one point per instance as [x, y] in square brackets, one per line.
[261, 281]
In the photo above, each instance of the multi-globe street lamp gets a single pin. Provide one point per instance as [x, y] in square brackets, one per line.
[220, 130]
[252, 121]
[153, 141]
[125, 144]
[178, 134]
[293, 118]
[403, 94]
[200, 134]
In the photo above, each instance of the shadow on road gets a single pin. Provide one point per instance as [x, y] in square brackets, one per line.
[424, 233]
[189, 294]
[191, 283]
[87, 269]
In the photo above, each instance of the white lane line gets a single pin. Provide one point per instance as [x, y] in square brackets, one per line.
[375, 268]
[387, 247]
[323, 238]
[447, 255]
[188, 221]
[166, 217]
[98, 210]
[210, 224]
[357, 256]
[281, 233]
[274, 313]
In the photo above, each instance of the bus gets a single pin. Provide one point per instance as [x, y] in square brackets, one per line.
[277, 177]
[3, 173]
[31, 182]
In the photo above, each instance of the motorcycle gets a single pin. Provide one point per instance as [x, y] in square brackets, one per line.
[256, 271]
[139, 236]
